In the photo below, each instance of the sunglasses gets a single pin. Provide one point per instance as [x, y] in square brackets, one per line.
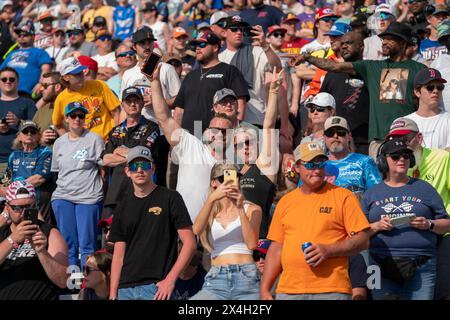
[430, 87]
[396, 156]
[317, 108]
[235, 29]
[74, 33]
[88, 270]
[247, 143]
[201, 45]
[329, 19]
[20, 208]
[278, 34]
[412, 1]
[104, 38]
[385, 16]
[221, 24]
[60, 34]
[10, 79]
[29, 131]
[144, 165]
[81, 116]
[314, 165]
[223, 130]
[23, 35]
[46, 85]
[47, 21]
[341, 1]
[331, 132]
[126, 54]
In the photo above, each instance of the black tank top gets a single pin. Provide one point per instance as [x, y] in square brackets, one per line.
[257, 188]
[22, 276]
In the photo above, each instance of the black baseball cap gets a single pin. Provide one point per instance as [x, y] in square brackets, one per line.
[427, 75]
[235, 21]
[149, 7]
[142, 34]
[132, 91]
[99, 20]
[399, 30]
[358, 20]
[208, 37]
[393, 146]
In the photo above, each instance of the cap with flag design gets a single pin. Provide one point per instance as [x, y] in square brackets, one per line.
[12, 192]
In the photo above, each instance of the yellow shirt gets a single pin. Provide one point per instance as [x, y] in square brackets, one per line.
[104, 11]
[327, 217]
[97, 98]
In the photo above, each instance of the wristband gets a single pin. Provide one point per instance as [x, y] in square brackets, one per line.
[14, 244]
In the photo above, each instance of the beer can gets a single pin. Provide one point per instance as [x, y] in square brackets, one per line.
[306, 245]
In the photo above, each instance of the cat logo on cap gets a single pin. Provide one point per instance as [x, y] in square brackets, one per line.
[155, 210]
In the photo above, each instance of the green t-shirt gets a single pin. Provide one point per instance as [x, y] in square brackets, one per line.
[43, 117]
[390, 86]
[435, 169]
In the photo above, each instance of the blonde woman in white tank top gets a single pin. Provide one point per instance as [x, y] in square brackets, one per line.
[228, 228]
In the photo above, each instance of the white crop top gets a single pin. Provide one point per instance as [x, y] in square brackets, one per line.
[228, 240]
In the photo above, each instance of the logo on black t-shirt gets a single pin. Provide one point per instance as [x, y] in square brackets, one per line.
[155, 210]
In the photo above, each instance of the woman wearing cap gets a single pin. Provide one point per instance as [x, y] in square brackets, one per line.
[406, 216]
[31, 162]
[97, 273]
[321, 107]
[228, 227]
[77, 200]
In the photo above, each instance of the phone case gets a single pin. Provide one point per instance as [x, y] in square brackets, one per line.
[230, 175]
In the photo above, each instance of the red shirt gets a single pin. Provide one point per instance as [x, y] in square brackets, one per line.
[294, 46]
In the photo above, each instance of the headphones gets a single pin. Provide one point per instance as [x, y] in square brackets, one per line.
[381, 160]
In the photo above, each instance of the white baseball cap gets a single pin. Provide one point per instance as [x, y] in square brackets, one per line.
[217, 16]
[71, 66]
[384, 7]
[322, 99]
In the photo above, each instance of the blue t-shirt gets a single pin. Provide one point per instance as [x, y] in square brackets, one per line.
[163, 10]
[28, 63]
[124, 18]
[430, 49]
[25, 164]
[24, 109]
[264, 16]
[356, 172]
[418, 197]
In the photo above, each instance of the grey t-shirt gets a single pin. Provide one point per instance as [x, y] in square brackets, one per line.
[77, 163]
[86, 49]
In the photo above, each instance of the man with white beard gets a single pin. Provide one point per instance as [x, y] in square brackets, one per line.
[353, 171]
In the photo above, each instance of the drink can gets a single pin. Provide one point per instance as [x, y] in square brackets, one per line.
[306, 245]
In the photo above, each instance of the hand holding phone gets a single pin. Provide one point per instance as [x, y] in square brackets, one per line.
[31, 214]
[150, 65]
[230, 175]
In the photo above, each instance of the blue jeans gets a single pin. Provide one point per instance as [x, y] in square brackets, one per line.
[231, 282]
[78, 224]
[420, 287]
[144, 292]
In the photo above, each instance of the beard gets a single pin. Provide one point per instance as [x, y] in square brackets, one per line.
[336, 147]
[417, 156]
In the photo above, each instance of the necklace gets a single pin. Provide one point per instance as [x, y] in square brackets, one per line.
[203, 74]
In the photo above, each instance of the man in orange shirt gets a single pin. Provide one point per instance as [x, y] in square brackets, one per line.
[331, 219]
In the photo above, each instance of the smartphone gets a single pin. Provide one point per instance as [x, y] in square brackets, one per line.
[4, 121]
[150, 64]
[397, 221]
[31, 214]
[230, 175]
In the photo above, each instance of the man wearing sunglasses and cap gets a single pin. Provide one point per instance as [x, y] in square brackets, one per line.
[78, 44]
[33, 257]
[327, 217]
[145, 230]
[372, 45]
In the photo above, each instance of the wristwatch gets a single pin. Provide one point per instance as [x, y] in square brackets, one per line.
[430, 225]
[14, 244]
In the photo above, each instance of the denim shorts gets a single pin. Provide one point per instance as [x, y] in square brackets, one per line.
[231, 282]
[144, 292]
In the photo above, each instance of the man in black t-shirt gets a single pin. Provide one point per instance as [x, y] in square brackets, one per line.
[33, 254]
[352, 97]
[145, 231]
[195, 98]
[134, 131]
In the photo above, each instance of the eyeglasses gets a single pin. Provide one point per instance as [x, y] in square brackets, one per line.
[278, 34]
[396, 156]
[430, 87]
[314, 165]
[88, 270]
[329, 19]
[80, 115]
[240, 145]
[10, 79]
[20, 208]
[235, 29]
[104, 38]
[144, 165]
[331, 132]
[46, 85]
[29, 131]
[317, 108]
[201, 45]
[74, 33]
[126, 54]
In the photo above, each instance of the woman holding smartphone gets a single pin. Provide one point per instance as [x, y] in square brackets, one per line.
[406, 216]
[228, 227]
